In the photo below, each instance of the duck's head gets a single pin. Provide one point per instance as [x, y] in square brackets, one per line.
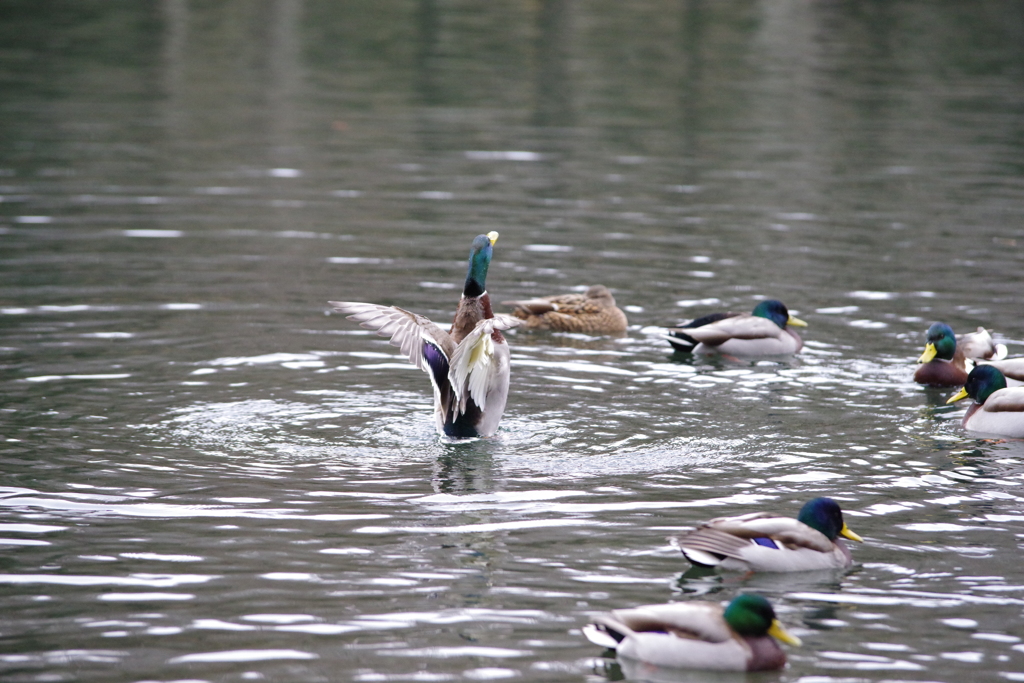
[600, 292]
[751, 615]
[824, 515]
[479, 260]
[940, 343]
[776, 311]
[983, 381]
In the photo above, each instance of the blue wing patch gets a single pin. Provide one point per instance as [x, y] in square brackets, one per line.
[438, 363]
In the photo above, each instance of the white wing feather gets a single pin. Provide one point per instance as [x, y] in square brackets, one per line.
[472, 366]
[407, 330]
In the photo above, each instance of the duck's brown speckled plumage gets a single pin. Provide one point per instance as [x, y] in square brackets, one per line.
[593, 312]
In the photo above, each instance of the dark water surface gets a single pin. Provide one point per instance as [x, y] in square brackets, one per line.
[206, 477]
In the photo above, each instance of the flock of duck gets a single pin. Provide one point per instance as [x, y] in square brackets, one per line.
[468, 366]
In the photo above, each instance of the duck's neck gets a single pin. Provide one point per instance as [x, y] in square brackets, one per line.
[796, 337]
[476, 275]
[474, 286]
[974, 407]
[472, 309]
[765, 654]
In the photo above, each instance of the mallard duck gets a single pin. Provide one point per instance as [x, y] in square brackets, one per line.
[996, 409]
[763, 332]
[594, 312]
[763, 542]
[468, 365]
[947, 358]
[696, 635]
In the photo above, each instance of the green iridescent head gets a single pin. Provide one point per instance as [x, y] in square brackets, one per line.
[752, 615]
[824, 515]
[776, 311]
[479, 260]
[983, 381]
[940, 343]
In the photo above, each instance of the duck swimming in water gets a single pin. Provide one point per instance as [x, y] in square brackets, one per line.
[763, 332]
[997, 410]
[765, 542]
[594, 312]
[947, 358]
[468, 364]
[696, 635]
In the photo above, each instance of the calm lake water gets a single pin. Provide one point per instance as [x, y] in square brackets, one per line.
[207, 477]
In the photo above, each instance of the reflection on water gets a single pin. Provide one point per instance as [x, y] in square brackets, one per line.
[208, 476]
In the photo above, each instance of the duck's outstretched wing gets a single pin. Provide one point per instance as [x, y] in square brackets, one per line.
[413, 334]
[480, 365]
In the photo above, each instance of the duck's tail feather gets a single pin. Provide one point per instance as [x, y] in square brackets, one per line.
[709, 547]
[605, 633]
[701, 558]
[680, 341]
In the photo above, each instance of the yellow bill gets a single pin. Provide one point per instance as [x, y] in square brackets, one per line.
[959, 397]
[493, 237]
[779, 633]
[796, 322]
[929, 353]
[847, 532]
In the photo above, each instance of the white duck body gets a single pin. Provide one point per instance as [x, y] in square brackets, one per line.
[997, 410]
[1002, 414]
[763, 332]
[686, 635]
[746, 336]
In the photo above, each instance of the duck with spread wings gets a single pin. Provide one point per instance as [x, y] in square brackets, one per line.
[468, 364]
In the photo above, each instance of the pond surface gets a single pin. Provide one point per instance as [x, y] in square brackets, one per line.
[206, 476]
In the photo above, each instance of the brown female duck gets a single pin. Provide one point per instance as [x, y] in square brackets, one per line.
[593, 312]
